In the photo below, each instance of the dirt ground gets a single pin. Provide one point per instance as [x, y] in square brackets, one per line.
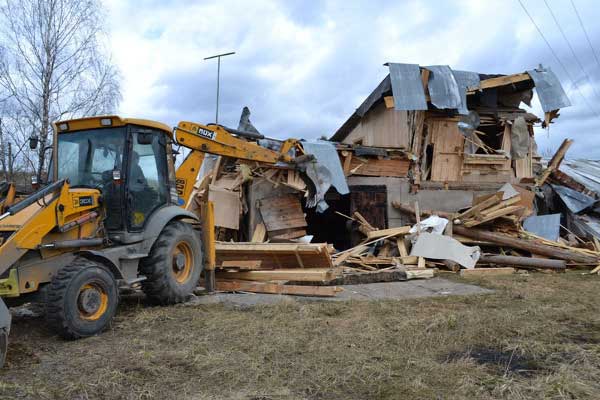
[536, 336]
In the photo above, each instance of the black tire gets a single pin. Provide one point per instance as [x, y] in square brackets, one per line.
[82, 299]
[167, 282]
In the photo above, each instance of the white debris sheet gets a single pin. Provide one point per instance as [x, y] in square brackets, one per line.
[440, 247]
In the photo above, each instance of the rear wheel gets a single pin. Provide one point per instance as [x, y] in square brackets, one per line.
[173, 267]
[82, 299]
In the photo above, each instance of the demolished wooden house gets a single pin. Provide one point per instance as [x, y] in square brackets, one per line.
[426, 129]
[436, 170]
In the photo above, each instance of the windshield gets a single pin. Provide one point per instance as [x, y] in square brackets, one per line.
[87, 158]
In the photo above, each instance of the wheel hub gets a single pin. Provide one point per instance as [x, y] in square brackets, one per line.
[90, 300]
[179, 262]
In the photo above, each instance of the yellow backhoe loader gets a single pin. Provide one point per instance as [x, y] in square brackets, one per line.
[111, 216]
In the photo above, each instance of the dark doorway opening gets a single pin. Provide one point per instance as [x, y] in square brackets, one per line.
[331, 227]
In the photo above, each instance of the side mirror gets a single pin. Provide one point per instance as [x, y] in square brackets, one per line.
[33, 142]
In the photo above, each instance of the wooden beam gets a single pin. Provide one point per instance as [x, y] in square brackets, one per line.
[493, 215]
[527, 245]
[491, 201]
[525, 262]
[401, 247]
[242, 264]
[284, 274]
[487, 271]
[403, 230]
[554, 163]
[501, 81]
[275, 288]
[260, 233]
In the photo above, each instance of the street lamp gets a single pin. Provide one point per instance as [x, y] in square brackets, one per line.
[218, 57]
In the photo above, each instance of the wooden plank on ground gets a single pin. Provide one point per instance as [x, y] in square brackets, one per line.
[275, 288]
[284, 274]
[487, 271]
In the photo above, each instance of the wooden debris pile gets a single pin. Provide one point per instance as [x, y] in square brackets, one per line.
[382, 254]
[268, 267]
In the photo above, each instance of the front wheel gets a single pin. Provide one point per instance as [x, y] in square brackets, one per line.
[174, 265]
[82, 299]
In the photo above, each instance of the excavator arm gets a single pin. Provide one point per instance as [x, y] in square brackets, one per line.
[215, 139]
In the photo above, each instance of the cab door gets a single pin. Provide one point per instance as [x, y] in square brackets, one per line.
[147, 180]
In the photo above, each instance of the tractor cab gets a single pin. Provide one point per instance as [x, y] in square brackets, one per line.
[125, 159]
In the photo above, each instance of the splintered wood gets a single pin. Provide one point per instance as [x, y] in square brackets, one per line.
[512, 206]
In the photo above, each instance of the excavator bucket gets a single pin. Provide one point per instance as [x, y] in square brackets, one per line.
[4, 331]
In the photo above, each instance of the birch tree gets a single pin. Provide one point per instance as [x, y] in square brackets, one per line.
[53, 66]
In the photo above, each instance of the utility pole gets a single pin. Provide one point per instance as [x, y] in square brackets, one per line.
[218, 57]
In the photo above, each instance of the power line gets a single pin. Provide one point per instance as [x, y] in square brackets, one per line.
[556, 57]
[577, 60]
[586, 35]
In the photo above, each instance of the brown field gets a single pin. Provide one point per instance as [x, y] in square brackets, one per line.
[537, 336]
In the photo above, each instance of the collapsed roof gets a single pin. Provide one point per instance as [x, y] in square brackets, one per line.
[412, 87]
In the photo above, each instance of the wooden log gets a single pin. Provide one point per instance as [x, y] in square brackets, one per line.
[525, 262]
[275, 288]
[527, 245]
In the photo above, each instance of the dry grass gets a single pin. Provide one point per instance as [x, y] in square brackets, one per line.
[537, 336]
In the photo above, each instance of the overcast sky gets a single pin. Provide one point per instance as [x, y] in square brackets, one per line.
[304, 66]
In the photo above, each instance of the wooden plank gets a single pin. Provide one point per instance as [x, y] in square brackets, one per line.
[260, 233]
[487, 271]
[208, 235]
[276, 255]
[382, 127]
[401, 247]
[448, 145]
[274, 288]
[504, 203]
[501, 81]
[524, 262]
[528, 245]
[555, 162]
[493, 215]
[242, 264]
[403, 230]
[490, 201]
[283, 274]
[282, 212]
[227, 207]
[377, 167]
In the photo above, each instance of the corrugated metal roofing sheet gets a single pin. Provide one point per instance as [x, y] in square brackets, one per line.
[586, 172]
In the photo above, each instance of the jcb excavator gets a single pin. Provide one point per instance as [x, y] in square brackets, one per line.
[111, 216]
